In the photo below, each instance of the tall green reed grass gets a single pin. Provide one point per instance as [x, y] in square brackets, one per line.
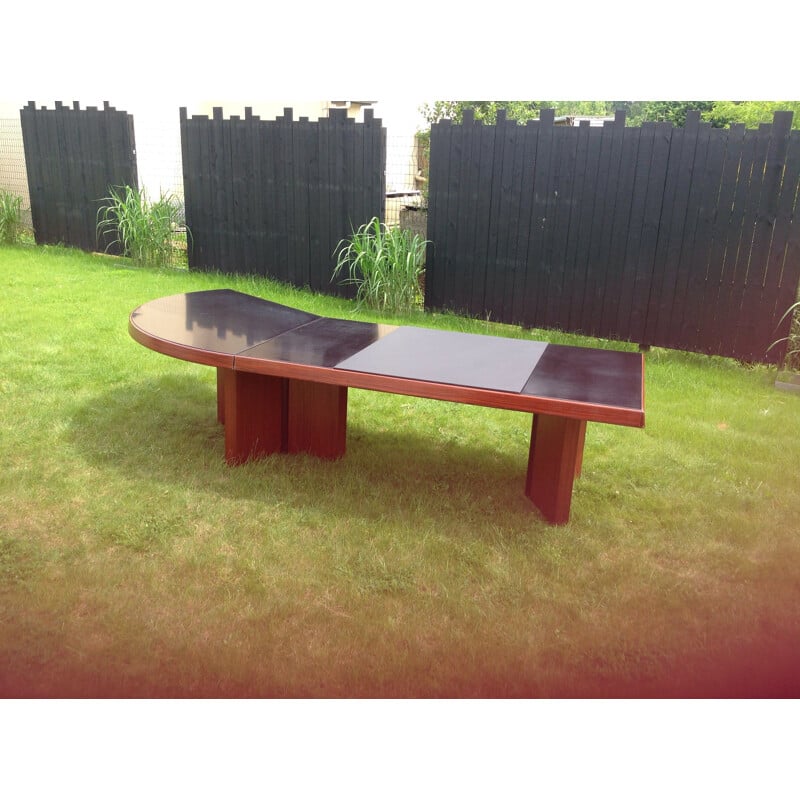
[144, 229]
[791, 360]
[11, 226]
[384, 264]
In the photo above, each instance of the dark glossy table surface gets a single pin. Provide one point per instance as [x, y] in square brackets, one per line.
[239, 325]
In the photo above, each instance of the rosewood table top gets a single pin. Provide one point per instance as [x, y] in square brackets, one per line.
[225, 328]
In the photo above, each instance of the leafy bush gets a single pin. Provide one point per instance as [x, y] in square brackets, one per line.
[144, 230]
[10, 217]
[385, 264]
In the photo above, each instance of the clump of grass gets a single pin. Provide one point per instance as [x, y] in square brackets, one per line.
[384, 264]
[792, 357]
[11, 227]
[144, 230]
[793, 353]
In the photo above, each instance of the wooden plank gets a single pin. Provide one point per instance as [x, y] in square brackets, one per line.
[665, 308]
[493, 155]
[324, 199]
[197, 192]
[462, 273]
[481, 201]
[62, 196]
[249, 202]
[568, 189]
[538, 228]
[654, 198]
[544, 257]
[626, 140]
[75, 210]
[695, 248]
[579, 199]
[605, 192]
[335, 186]
[305, 272]
[438, 205]
[502, 212]
[280, 158]
[211, 252]
[733, 144]
[582, 253]
[218, 190]
[549, 148]
[232, 242]
[307, 130]
[529, 142]
[591, 256]
[378, 166]
[234, 239]
[455, 189]
[96, 175]
[52, 184]
[726, 308]
[57, 191]
[264, 148]
[34, 169]
[341, 228]
[738, 339]
[83, 208]
[756, 312]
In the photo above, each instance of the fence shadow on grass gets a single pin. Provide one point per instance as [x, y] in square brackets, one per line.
[164, 431]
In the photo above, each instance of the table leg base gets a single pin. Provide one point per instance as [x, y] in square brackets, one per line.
[254, 413]
[263, 414]
[555, 459]
[316, 419]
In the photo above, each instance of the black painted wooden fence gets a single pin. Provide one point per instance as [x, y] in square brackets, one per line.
[275, 197]
[73, 157]
[679, 237]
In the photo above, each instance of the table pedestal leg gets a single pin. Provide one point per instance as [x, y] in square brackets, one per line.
[254, 412]
[555, 460]
[317, 419]
[264, 414]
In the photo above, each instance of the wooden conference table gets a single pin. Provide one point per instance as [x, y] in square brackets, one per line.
[283, 374]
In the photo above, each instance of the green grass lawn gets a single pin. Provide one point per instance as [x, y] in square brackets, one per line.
[134, 562]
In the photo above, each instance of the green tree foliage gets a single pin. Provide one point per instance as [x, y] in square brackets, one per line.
[484, 110]
[752, 112]
[720, 113]
[673, 111]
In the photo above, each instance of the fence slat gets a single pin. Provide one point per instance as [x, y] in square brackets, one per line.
[626, 142]
[672, 229]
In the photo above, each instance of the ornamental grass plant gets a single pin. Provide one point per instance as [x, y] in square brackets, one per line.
[143, 229]
[385, 264]
[11, 227]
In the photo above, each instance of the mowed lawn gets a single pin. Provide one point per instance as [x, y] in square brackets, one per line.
[135, 563]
